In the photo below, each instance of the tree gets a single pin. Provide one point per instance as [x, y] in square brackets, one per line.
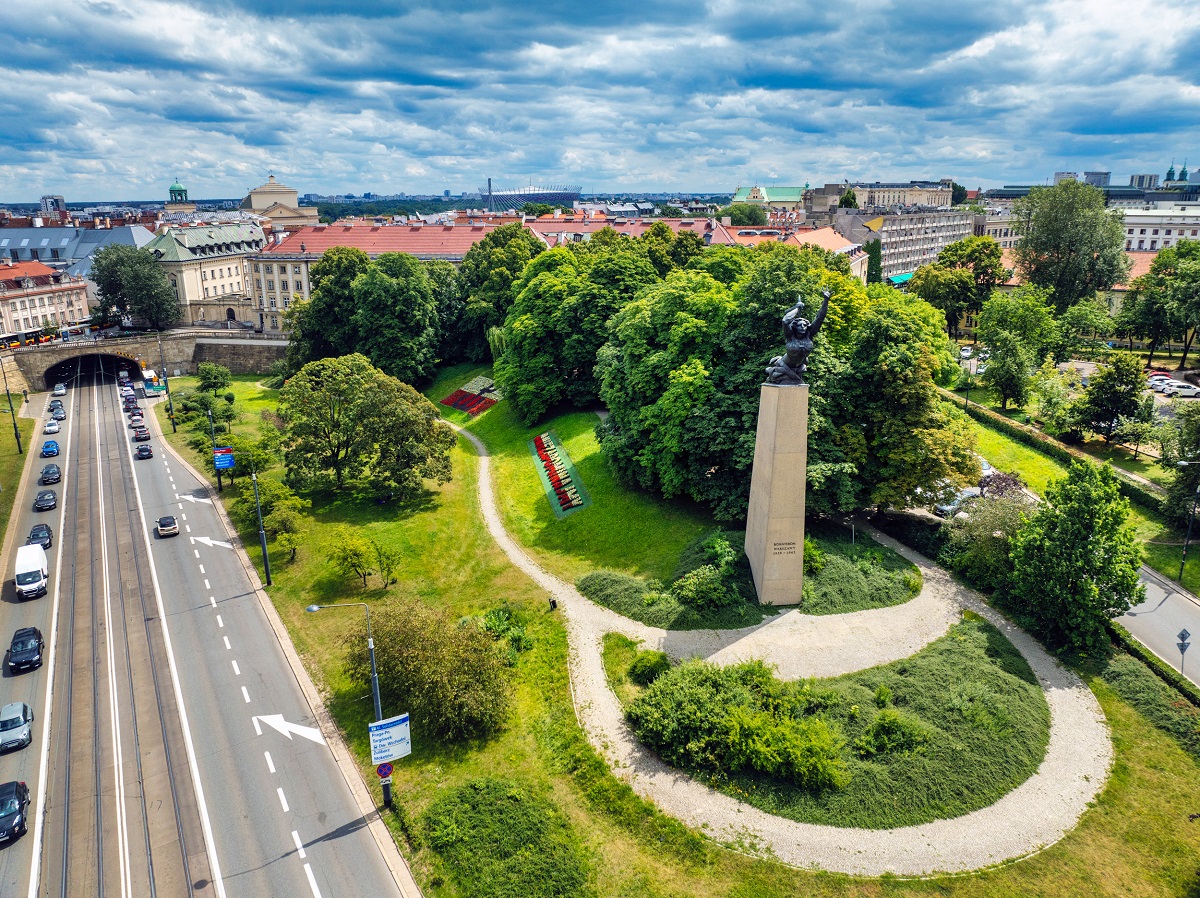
[958, 194]
[323, 326]
[1025, 313]
[1183, 293]
[742, 215]
[352, 553]
[274, 496]
[1075, 561]
[1051, 393]
[979, 544]
[725, 264]
[848, 200]
[1008, 369]
[1079, 329]
[130, 281]
[1141, 427]
[488, 271]
[387, 559]
[950, 289]
[983, 258]
[395, 317]
[1069, 242]
[1113, 392]
[450, 303]
[1146, 311]
[346, 419]
[874, 261]
[213, 377]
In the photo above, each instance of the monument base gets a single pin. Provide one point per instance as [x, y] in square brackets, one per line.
[775, 522]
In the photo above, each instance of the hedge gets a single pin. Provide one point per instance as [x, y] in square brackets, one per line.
[1160, 668]
[1138, 493]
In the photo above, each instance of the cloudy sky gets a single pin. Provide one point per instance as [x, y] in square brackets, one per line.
[117, 98]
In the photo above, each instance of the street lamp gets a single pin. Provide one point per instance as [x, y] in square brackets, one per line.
[1191, 519]
[11, 411]
[387, 787]
[262, 534]
[167, 383]
[213, 435]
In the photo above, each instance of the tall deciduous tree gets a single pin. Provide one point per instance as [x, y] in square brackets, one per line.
[1076, 562]
[396, 317]
[323, 325]
[1026, 313]
[1069, 241]
[130, 281]
[983, 258]
[1008, 370]
[486, 278]
[744, 215]
[950, 289]
[1113, 392]
[874, 251]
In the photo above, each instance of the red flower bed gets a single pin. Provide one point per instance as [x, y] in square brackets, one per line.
[471, 403]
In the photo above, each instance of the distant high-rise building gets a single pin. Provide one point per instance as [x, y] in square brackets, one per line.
[1097, 178]
[1060, 176]
[1145, 182]
[53, 204]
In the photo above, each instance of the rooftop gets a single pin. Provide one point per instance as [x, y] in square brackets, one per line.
[423, 241]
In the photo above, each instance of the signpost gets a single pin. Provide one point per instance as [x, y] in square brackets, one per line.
[1183, 637]
[390, 740]
[385, 774]
[223, 457]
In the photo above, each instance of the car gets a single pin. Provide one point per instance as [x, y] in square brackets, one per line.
[45, 501]
[981, 369]
[133, 410]
[141, 435]
[49, 448]
[25, 650]
[60, 390]
[1183, 391]
[965, 353]
[58, 414]
[51, 473]
[144, 452]
[14, 808]
[40, 535]
[16, 726]
[52, 426]
[55, 403]
[1161, 386]
[952, 507]
[984, 355]
[167, 526]
[136, 421]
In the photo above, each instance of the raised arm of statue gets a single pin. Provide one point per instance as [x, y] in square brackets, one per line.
[816, 323]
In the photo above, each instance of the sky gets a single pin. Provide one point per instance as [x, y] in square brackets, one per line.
[115, 99]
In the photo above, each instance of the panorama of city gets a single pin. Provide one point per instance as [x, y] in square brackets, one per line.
[641, 452]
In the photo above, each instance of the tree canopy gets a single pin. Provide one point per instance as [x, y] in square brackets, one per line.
[129, 281]
[744, 215]
[950, 289]
[489, 269]
[983, 258]
[395, 316]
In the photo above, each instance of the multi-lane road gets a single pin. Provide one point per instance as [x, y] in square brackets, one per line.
[174, 752]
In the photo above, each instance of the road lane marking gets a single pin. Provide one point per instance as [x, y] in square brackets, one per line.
[237, 671]
[299, 845]
[201, 568]
[257, 728]
[181, 506]
[206, 585]
[212, 600]
[276, 722]
[197, 551]
[246, 695]
[204, 540]
[312, 881]
[227, 645]
[183, 517]
[282, 799]
[266, 754]
[220, 623]
[187, 528]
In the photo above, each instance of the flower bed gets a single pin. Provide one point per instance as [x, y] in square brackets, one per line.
[475, 396]
[559, 478]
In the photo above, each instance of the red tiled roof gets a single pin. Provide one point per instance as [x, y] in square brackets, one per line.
[422, 241]
[1141, 265]
[561, 230]
[32, 269]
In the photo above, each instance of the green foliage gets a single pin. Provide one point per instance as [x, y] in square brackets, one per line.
[645, 601]
[450, 678]
[353, 554]
[499, 840]
[982, 258]
[395, 317]
[1070, 242]
[883, 696]
[1008, 371]
[874, 252]
[485, 281]
[648, 666]
[848, 200]
[1075, 561]
[705, 588]
[129, 281]
[1155, 700]
[323, 325]
[891, 732]
[1114, 391]
[950, 289]
[979, 545]
[1026, 313]
[814, 557]
[274, 496]
[855, 582]
[506, 625]
[213, 378]
[744, 215]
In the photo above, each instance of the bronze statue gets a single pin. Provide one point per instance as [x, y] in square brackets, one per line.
[798, 336]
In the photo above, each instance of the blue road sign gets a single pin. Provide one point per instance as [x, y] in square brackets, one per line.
[223, 457]
[390, 739]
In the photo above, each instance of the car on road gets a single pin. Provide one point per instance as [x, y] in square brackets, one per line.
[56, 403]
[144, 452]
[40, 535]
[141, 435]
[1183, 391]
[25, 650]
[965, 353]
[51, 473]
[49, 448]
[60, 390]
[14, 808]
[45, 501]
[16, 726]
[52, 426]
[953, 506]
[167, 526]
[58, 414]
[136, 421]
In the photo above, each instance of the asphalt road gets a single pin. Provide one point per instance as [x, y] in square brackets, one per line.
[181, 757]
[1157, 621]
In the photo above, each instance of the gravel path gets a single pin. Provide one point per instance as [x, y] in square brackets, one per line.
[1035, 814]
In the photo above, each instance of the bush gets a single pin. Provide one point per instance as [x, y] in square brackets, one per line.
[705, 588]
[644, 601]
[891, 733]
[814, 558]
[648, 666]
[497, 841]
[450, 678]
[846, 584]
[505, 626]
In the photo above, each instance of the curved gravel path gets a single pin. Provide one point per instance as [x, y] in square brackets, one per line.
[1035, 814]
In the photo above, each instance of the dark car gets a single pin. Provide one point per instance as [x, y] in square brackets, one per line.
[133, 409]
[49, 448]
[141, 435]
[46, 500]
[144, 452]
[56, 403]
[58, 414]
[52, 473]
[40, 535]
[25, 652]
[14, 805]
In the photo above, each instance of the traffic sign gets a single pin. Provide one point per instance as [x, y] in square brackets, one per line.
[1183, 646]
[1184, 635]
[390, 739]
[384, 770]
[223, 457]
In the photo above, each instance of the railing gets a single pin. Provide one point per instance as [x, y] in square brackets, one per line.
[196, 333]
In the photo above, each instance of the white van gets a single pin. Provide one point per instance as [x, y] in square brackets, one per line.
[32, 574]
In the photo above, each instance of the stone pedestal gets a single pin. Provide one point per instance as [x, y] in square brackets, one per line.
[775, 523]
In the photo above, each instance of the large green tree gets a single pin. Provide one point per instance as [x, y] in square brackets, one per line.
[1008, 370]
[485, 280]
[344, 419]
[1147, 312]
[1075, 561]
[950, 289]
[396, 317]
[129, 281]
[449, 301]
[742, 215]
[323, 325]
[1026, 313]
[983, 258]
[1113, 392]
[1069, 242]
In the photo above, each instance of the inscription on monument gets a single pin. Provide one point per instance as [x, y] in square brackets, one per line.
[783, 548]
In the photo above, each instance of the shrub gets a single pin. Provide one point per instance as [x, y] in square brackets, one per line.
[450, 678]
[648, 666]
[643, 601]
[705, 588]
[497, 840]
[846, 584]
[891, 733]
[814, 558]
[883, 696]
[504, 625]
[1155, 700]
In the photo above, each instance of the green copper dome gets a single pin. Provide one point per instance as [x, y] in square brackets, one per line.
[177, 186]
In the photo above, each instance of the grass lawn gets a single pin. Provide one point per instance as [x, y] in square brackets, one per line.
[12, 462]
[1144, 465]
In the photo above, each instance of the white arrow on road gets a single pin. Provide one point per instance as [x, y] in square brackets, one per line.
[193, 498]
[276, 722]
[204, 540]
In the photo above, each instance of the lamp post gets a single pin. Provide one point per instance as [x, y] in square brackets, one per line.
[262, 534]
[11, 411]
[967, 398]
[167, 383]
[1191, 519]
[213, 435]
[387, 787]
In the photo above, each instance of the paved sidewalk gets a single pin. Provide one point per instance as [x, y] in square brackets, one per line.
[1035, 814]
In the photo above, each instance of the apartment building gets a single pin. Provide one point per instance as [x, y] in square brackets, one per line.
[207, 267]
[1152, 229]
[906, 240]
[34, 296]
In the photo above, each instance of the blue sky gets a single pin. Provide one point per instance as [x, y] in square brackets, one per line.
[117, 98]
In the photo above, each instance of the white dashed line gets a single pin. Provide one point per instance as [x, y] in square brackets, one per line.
[227, 642]
[183, 517]
[246, 694]
[312, 881]
[257, 728]
[220, 623]
[282, 799]
[237, 671]
[299, 845]
[187, 527]
[267, 755]
[201, 566]
[206, 585]
[197, 551]
[212, 600]
[181, 506]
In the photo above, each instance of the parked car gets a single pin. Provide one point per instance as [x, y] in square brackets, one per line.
[167, 526]
[16, 726]
[51, 473]
[40, 535]
[14, 810]
[982, 369]
[1161, 386]
[144, 452]
[955, 505]
[141, 435]
[965, 353]
[25, 650]
[984, 355]
[46, 500]
[49, 448]
[1182, 391]
[52, 426]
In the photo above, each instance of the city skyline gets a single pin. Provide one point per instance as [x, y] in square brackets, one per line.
[121, 97]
